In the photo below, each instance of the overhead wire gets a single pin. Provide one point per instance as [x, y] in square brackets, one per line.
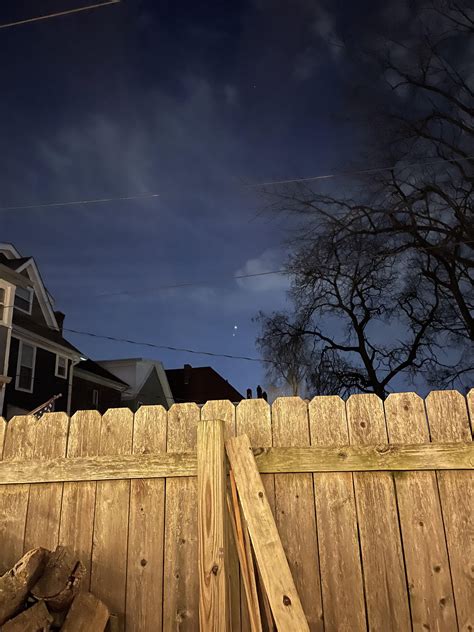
[141, 196]
[48, 16]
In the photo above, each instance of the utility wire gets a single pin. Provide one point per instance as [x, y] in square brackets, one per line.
[167, 347]
[344, 174]
[144, 196]
[57, 14]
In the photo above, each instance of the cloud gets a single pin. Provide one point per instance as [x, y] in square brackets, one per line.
[270, 260]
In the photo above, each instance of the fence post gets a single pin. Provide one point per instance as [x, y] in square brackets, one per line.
[211, 531]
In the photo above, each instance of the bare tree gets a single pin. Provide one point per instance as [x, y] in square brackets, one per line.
[417, 214]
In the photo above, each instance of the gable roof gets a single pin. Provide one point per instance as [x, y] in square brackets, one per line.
[92, 367]
[199, 385]
[53, 335]
[13, 264]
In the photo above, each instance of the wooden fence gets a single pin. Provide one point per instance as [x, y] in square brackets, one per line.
[377, 536]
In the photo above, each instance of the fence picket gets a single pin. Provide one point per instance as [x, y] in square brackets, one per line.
[341, 574]
[448, 421]
[77, 511]
[294, 505]
[382, 558]
[181, 588]
[146, 528]
[424, 545]
[109, 549]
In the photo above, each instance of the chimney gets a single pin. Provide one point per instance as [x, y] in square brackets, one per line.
[60, 320]
[187, 373]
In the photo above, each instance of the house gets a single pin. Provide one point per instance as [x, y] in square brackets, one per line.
[147, 382]
[36, 361]
[199, 385]
[95, 388]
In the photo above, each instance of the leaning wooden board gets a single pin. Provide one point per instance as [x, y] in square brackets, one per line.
[294, 505]
[273, 565]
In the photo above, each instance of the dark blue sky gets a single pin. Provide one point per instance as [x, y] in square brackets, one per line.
[189, 100]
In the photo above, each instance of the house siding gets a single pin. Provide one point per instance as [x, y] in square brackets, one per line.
[82, 396]
[151, 394]
[45, 384]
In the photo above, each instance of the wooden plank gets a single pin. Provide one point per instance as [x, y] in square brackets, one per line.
[294, 505]
[278, 582]
[35, 619]
[86, 614]
[181, 586]
[343, 458]
[19, 443]
[44, 505]
[340, 564]
[146, 528]
[253, 418]
[426, 557]
[109, 549]
[17, 582]
[211, 530]
[61, 579]
[448, 421]
[470, 407]
[382, 555]
[78, 505]
[223, 409]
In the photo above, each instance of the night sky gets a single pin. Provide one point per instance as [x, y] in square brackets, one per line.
[191, 100]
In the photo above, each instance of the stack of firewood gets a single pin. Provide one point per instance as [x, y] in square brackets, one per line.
[41, 593]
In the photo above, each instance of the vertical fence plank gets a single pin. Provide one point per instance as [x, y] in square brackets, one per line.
[223, 409]
[109, 549]
[341, 573]
[426, 557]
[77, 511]
[212, 552]
[470, 407]
[294, 505]
[382, 556]
[253, 418]
[19, 443]
[181, 589]
[44, 505]
[448, 421]
[146, 528]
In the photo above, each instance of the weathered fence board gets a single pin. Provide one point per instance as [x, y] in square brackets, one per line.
[294, 505]
[426, 557]
[341, 574]
[129, 506]
[448, 421]
[382, 558]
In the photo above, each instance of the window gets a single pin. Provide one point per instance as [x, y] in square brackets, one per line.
[5, 303]
[26, 367]
[24, 299]
[95, 398]
[61, 366]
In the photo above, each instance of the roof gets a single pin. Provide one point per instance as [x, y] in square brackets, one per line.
[92, 367]
[13, 264]
[201, 385]
[24, 321]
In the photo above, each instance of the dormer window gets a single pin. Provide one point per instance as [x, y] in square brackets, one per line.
[24, 299]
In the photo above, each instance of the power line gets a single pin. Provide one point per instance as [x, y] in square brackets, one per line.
[144, 196]
[167, 347]
[344, 174]
[57, 14]
[188, 284]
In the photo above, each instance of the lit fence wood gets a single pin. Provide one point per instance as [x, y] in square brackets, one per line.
[373, 503]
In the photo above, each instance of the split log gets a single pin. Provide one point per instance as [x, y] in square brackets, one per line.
[60, 580]
[16, 583]
[35, 619]
[87, 613]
